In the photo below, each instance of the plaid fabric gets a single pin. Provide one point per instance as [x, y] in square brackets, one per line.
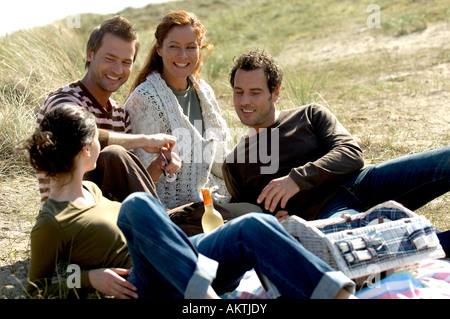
[386, 244]
[360, 249]
[383, 212]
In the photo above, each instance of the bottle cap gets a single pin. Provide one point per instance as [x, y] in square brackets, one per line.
[206, 197]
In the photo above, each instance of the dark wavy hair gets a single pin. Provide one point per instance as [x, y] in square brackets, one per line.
[254, 60]
[62, 134]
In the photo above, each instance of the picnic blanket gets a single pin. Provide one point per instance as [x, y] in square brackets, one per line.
[432, 281]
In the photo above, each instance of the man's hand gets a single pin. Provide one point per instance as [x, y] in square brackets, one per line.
[155, 142]
[110, 282]
[151, 143]
[279, 189]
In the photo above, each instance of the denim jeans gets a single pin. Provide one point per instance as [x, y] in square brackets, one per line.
[168, 264]
[412, 180]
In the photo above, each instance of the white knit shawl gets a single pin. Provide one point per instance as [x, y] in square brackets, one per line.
[153, 108]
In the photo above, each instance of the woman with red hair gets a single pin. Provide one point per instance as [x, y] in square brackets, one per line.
[169, 96]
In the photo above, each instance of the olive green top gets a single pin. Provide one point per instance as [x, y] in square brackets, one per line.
[190, 103]
[88, 237]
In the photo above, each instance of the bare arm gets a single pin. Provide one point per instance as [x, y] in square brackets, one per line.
[149, 143]
[110, 282]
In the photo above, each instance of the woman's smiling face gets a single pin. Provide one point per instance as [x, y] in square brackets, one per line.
[180, 53]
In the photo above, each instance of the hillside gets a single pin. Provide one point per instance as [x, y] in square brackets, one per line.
[390, 86]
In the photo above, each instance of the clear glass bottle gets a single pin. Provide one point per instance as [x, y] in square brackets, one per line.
[211, 219]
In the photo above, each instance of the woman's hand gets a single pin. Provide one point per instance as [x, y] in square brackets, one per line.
[110, 282]
[158, 164]
[174, 162]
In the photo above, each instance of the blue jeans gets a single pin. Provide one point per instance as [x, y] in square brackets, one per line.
[168, 264]
[412, 180]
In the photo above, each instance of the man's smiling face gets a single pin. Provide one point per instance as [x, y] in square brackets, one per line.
[253, 102]
[110, 66]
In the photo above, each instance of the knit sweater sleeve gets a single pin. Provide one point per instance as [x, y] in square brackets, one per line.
[144, 120]
[220, 133]
[220, 127]
[153, 108]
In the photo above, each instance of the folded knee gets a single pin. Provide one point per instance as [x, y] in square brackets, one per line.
[113, 151]
[140, 203]
[253, 223]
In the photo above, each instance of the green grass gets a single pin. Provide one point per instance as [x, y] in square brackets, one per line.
[388, 86]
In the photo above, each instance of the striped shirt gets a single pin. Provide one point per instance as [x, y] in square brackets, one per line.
[115, 119]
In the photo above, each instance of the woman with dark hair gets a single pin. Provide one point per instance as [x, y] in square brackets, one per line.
[168, 96]
[78, 226]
